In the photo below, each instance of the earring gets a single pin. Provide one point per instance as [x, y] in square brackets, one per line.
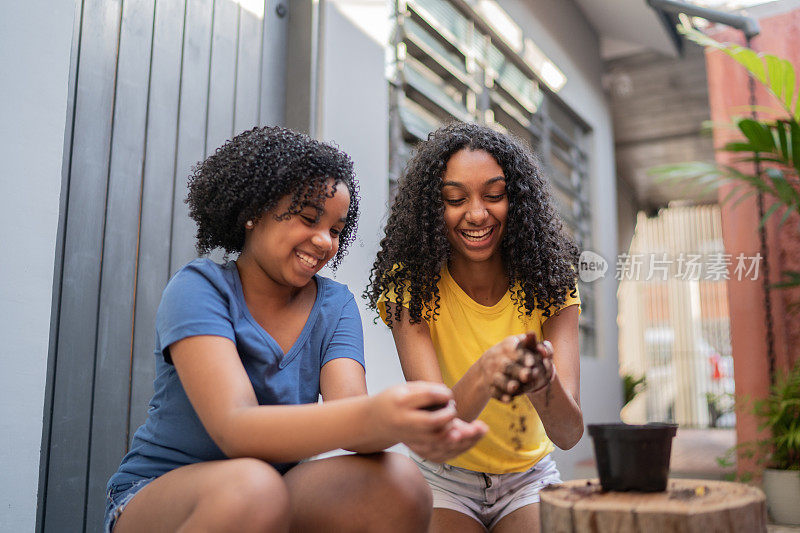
[248, 224]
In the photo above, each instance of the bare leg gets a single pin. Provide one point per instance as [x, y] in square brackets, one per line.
[448, 521]
[366, 493]
[231, 495]
[523, 519]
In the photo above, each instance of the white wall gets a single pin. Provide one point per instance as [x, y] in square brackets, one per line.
[35, 37]
[354, 112]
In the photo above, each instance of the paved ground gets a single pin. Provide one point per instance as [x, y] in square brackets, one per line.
[695, 453]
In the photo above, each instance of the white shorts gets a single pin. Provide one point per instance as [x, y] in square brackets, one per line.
[486, 497]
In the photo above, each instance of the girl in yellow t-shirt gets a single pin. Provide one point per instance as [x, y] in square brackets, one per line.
[474, 257]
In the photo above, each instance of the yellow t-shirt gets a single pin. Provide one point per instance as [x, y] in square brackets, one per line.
[461, 333]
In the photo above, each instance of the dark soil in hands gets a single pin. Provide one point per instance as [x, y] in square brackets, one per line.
[434, 406]
[530, 346]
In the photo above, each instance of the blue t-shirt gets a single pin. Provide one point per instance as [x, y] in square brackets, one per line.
[205, 298]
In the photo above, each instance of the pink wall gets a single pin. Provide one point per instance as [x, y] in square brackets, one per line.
[728, 91]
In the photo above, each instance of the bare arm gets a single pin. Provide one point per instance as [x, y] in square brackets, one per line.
[345, 378]
[223, 397]
[559, 405]
[418, 360]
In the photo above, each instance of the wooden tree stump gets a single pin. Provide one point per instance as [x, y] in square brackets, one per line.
[687, 506]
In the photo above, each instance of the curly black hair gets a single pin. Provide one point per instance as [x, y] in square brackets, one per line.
[541, 260]
[247, 176]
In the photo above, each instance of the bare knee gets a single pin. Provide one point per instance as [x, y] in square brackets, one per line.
[250, 496]
[409, 497]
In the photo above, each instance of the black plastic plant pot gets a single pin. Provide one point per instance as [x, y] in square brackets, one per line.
[631, 457]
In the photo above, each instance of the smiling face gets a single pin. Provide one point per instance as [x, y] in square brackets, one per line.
[476, 205]
[291, 250]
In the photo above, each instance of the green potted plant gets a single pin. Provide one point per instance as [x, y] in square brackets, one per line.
[779, 414]
[631, 387]
[719, 405]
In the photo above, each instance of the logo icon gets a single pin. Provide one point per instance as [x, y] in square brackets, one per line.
[591, 266]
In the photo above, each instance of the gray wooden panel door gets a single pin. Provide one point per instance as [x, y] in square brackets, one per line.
[156, 85]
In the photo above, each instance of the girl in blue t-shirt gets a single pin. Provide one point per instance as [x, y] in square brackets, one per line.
[243, 351]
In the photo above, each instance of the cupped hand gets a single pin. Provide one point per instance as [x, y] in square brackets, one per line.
[497, 358]
[423, 416]
[458, 437]
[530, 370]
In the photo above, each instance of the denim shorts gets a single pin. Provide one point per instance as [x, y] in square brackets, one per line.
[486, 497]
[117, 497]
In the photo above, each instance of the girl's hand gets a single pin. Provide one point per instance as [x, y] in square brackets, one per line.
[403, 414]
[458, 437]
[497, 358]
[531, 370]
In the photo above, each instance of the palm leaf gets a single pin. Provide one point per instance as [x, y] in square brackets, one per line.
[734, 190]
[791, 279]
[794, 142]
[781, 79]
[769, 213]
[783, 141]
[789, 210]
[762, 158]
[777, 142]
[742, 198]
[775, 73]
[759, 135]
[739, 146]
[783, 190]
[765, 111]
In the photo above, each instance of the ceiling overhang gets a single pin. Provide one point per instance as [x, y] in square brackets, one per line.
[630, 26]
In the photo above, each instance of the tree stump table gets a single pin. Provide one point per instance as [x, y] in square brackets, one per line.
[687, 506]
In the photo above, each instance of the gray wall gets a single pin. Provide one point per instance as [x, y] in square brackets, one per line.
[154, 88]
[354, 112]
[35, 39]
